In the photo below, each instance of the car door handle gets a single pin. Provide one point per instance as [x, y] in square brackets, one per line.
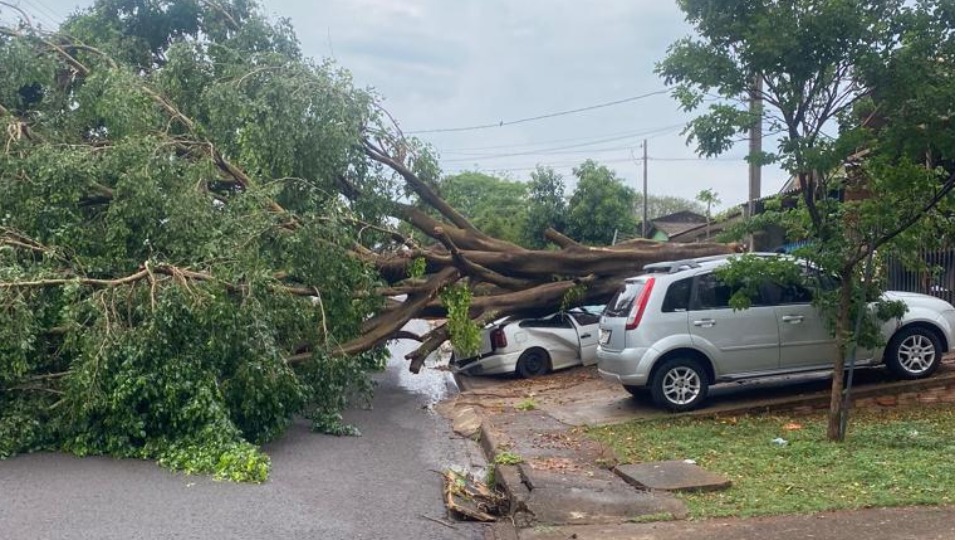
[585, 335]
[792, 319]
[706, 323]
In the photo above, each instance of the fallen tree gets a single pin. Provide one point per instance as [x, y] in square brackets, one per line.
[198, 239]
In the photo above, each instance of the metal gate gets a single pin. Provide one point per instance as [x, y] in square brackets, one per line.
[937, 279]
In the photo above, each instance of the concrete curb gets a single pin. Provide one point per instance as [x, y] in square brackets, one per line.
[508, 477]
[821, 400]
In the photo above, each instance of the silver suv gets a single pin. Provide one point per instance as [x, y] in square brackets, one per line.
[672, 332]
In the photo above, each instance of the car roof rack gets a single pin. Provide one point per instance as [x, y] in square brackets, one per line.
[672, 267]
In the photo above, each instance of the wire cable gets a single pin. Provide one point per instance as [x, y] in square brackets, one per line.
[564, 164]
[563, 149]
[580, 141]
[542, 116]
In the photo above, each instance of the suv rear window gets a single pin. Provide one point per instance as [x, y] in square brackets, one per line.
[621, 302]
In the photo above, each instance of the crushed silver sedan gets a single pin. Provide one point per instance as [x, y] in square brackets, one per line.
[531, 347]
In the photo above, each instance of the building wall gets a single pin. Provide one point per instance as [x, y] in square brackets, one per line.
[659, 236]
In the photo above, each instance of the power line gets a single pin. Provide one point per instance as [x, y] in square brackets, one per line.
[610, 161]
[693, 159]
[43, 13]
[542, 116]
[565, 149]
[624, 134]
[54, 15]
[596, 139]
[555, 152]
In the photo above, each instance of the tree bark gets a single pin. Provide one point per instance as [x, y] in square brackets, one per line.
[841, 336]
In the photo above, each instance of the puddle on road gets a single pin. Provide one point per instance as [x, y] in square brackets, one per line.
[432, 384]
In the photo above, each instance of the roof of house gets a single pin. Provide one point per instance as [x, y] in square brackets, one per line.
[678, 222]
[683, 216]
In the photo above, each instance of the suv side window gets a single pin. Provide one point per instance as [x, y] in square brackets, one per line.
[796, 294]
[711, 293]
[677, 297]
[775, 294]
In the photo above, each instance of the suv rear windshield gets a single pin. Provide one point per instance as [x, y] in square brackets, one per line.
[621, 302]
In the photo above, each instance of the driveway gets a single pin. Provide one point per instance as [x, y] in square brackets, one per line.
[578, 396]
[383, 484]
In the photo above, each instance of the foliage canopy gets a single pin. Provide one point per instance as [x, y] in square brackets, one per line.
[860, 98]
[144, 312]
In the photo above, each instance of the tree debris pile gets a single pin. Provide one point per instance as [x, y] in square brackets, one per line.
[466, 498]
[198, 239]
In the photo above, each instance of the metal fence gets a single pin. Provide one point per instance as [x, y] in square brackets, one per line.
[937, 279]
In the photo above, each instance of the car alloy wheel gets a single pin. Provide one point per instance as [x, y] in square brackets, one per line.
[917, 353]
[679, 384]
[914, 353]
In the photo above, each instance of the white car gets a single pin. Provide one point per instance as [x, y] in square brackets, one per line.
[531, 347]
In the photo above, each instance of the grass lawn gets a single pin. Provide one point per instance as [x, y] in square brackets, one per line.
[890, 458]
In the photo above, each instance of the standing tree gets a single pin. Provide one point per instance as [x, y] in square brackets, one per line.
[497, 207]
[862, 95]
[547, 208]
[709, 197]
[600, 206]
[662, 205]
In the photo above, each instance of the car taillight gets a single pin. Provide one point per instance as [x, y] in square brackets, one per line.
[498, 339]
[636, 312]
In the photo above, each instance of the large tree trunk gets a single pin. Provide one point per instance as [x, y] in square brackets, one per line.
[505, 279]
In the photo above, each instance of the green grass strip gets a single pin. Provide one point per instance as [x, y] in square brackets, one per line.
[895, 457]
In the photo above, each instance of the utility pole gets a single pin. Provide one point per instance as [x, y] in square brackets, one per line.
[756, 108]
[644, 230]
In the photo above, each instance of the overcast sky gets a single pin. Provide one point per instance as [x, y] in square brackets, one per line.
[440, 65]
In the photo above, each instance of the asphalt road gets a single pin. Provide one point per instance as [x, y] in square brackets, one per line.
[380, 485]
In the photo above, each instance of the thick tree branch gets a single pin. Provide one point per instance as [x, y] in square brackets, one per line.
[379, 329]
[561, 239]
[430, 342]
[470, 268]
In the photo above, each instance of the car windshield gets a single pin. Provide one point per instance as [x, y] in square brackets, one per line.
[621, 303]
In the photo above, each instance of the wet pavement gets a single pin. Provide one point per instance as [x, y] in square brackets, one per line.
[384, 484]
[578, 396]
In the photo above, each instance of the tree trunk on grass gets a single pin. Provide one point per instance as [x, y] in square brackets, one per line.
[842, 334]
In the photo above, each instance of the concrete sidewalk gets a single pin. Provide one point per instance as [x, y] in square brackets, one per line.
[564, 489]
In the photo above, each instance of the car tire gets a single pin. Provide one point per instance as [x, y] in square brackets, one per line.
[638, 392]
[679, 384]
[913, 353]
[533, 362]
